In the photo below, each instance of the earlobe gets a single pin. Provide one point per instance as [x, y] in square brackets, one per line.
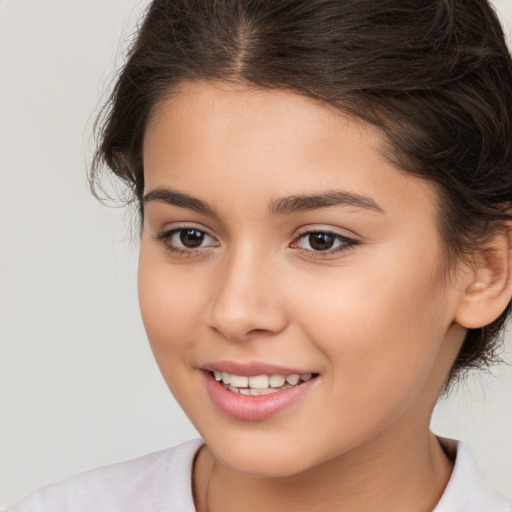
[487, 284]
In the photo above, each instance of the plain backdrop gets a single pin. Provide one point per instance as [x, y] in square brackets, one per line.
[78, 384]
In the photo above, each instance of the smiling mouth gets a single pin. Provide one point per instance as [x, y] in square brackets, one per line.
[258, 385]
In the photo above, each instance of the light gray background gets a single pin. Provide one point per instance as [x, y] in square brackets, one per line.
[79, 387]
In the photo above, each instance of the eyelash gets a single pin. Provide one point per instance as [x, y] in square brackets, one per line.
[165, 238]
[346, 243]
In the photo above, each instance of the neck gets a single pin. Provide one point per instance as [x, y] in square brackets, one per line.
[409, 474]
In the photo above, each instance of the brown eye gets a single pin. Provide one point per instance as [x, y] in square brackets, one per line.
[321, 241]
[191, 238]
[188, 241]
[325, 243]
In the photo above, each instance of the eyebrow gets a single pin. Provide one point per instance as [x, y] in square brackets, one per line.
[172, 197]
[302, 203]
[280, 206]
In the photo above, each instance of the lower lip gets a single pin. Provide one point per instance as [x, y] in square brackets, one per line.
[253, 408]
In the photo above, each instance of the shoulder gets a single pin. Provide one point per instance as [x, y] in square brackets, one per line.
[467, 488]
[147, 483]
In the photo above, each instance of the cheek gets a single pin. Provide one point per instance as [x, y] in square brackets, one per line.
[170, 309]
[169, 306]
[381, 331]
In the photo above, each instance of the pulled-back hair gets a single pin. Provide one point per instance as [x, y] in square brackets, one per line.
[434, 75]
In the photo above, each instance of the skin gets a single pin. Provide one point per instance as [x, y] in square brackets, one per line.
[376, 320]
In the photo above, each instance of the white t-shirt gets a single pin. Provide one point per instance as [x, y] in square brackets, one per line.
[162, 482]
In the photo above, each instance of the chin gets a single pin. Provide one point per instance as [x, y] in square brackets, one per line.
[264, 459]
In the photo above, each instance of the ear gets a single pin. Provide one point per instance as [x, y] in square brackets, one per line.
[487, 283]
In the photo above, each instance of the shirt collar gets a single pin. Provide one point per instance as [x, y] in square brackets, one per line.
[467, 489]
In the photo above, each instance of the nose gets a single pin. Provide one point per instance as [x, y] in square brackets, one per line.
[248, 298]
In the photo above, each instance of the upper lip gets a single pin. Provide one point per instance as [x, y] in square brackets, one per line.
[252, 368]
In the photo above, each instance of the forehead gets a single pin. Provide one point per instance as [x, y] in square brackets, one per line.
[261, 143]
[208, 111]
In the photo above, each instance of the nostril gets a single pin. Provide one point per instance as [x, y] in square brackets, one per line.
[256, 331]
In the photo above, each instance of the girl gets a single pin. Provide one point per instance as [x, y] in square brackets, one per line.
[324, 190]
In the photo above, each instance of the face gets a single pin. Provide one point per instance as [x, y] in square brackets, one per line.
[279, 242]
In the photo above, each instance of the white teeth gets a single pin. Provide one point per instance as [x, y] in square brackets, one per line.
[239, 381]
[276, 381]
[258, 382]
[291, 379]
[259, 392]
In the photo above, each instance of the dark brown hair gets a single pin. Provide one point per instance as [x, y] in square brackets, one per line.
[434, 75]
